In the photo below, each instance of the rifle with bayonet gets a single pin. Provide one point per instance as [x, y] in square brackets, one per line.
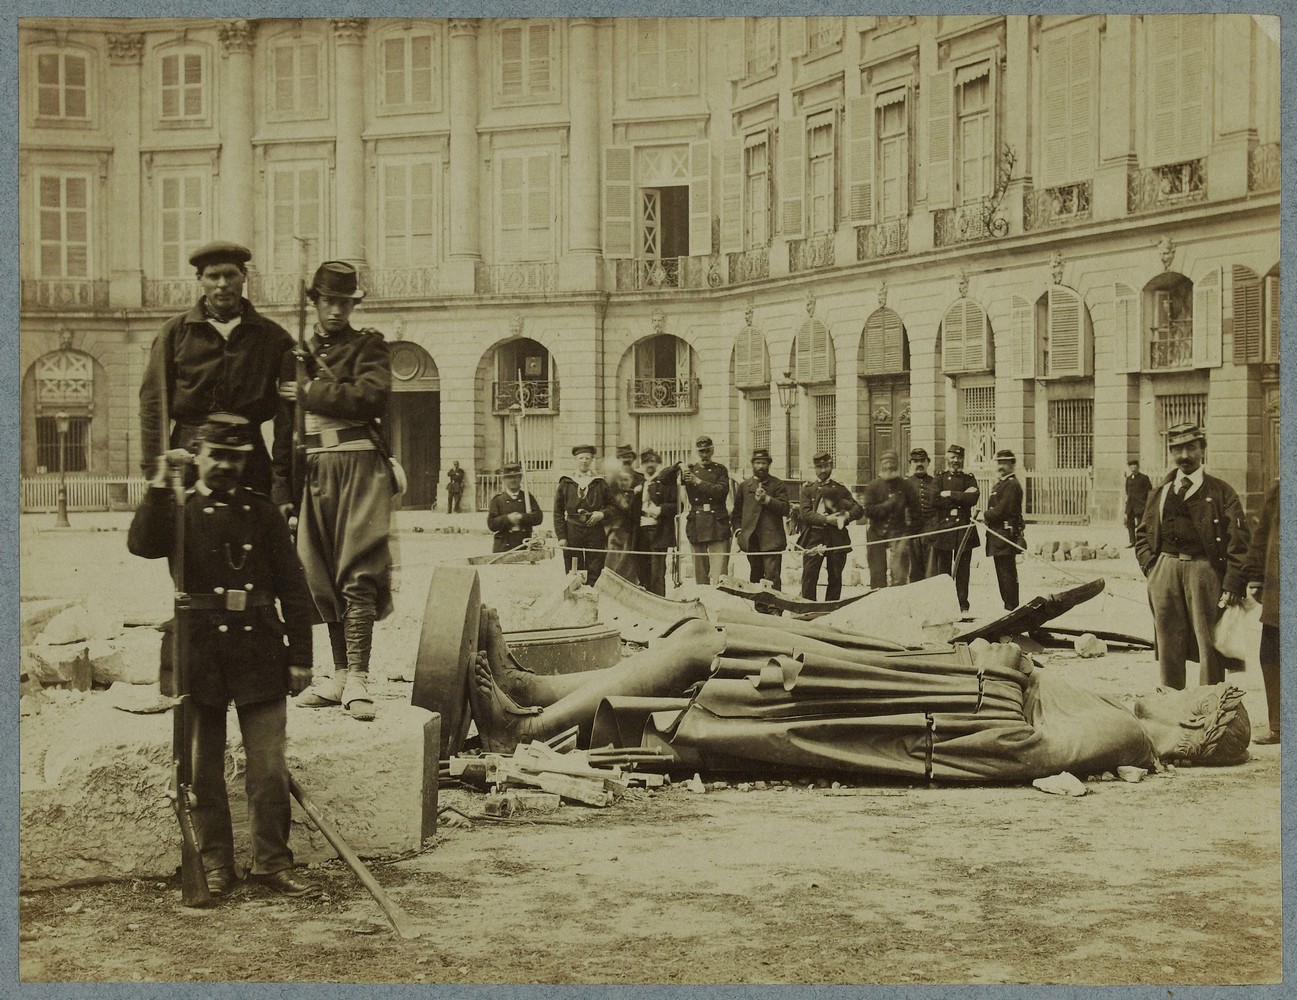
[193, 877]
[301, 376]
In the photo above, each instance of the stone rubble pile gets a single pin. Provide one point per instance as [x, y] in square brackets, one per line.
[1057, 551]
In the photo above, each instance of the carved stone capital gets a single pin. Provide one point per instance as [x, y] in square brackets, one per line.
[463, 26]
[1056, 267]
[348, 30]
[126, 49]
[237, 37]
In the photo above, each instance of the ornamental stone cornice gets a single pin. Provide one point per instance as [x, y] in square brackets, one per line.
[126, 49]
[463, 26]
[349, 30]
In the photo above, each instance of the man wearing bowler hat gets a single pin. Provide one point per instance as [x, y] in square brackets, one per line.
[582, 503]
[1005, 527]
[922, 487]
[513, 512]
[760, 506]
[221, 355]
[826, 508]
[238, 560]
[345, 507]
[1192, 545]
[707, 525]
[956, 494]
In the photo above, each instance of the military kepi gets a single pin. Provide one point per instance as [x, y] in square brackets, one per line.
[822, 458]
[649, 455]
[703, 441]
[625, 451]
[1005, 455]
[220, 252]
[511, 469]
[955, 449]
[918, 455]
[761, 454]
[1184, 433]
[228, 431]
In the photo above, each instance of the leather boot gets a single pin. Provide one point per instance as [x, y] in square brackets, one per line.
[358, 628]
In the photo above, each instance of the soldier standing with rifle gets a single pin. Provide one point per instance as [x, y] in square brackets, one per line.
[956, 494]
[707, 484]
[234, 560]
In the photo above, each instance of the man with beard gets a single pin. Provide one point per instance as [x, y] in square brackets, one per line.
[657, 526]
[1191, 543]
[888, 503]
[581, 503]
[626, 488]
[238, 560]
[1004, 527]
[826, 508]
[760, 506]
[956, 496]
[922, 516]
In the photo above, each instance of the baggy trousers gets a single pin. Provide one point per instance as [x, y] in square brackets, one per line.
[1184, 594]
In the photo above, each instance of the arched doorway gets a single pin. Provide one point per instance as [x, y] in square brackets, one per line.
[414, 422]
[517, 415]
[884, 371]
[67, 382]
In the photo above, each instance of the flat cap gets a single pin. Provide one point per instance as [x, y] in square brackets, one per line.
[220, 252]
[228, 431]
[1183, 433]
[588, 449]
[625, 451]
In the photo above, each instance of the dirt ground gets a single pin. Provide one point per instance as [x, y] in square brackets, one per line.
[1175, 880]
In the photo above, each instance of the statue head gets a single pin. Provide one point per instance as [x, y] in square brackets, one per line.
[1201, 725]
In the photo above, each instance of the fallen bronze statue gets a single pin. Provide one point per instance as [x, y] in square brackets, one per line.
[743, 696]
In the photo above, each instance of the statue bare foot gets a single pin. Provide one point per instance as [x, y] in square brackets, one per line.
[501, 722]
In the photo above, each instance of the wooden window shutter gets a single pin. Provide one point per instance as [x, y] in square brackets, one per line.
[1248, 344]
[1128, 338]
[680, 64]
[893, 343]
[860, 159]
[512, 171]
[283, 197]
[1063, 314]
[540, 58]
[1080, 165]
[618, 204]
[1206, 321]
[423, 214]
[731, 152]
[792, 156]
[540, 208]
[873, 351]
[684, 367]
[395, 244]
[171, 234]
[940, 98]
[814, 353]
[743, 348]
[700, 198]
[1194, 36]
[1272, 317]
[646, 64]
[736, 65]
[952, 338]
[1163, 95]
[1056, 94]
[1022, 337]
[977, 356]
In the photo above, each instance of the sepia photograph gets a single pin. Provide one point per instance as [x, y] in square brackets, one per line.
[688, 500]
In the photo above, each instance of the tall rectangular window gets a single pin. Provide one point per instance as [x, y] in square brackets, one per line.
[759, 415]
[407, 70]
[296, 214]
[761, 44]
[820, 193]
[825, 415]
[976, 137]
[1176, 92]
[409, 213]
[183, 85]
[756, 192]
[525, 61]
[182, 214]
[64, 225]
[526, 223]
[1071, 427]
[76, 445]
[296, 85]
[977, 418]
[664, 56]
[1067, 100]
[893, 156]
[1179, 408]
[62, 89]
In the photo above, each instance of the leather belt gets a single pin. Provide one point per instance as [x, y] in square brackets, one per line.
[1182, 556]
[332, 438]
[231, 600]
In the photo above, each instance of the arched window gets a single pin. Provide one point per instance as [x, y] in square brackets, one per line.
[883, 347]
[65, 384]
[813, 358]
[1053, 339]
[663, 377]
[524, 375]
[966, 339]
[751, 360]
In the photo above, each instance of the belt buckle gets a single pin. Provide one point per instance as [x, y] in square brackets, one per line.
[707, 508]
[328, 438]
[236, 600]
[1183, 557]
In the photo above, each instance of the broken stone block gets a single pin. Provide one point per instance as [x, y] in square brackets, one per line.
[1061, 784]
[1089, 646]
[72, 624]
[1131, 774]
[851, 576]
[58, 665]
[131, 657]
[35, 615]
[98, 807]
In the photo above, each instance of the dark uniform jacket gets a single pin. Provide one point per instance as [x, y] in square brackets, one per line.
[1218, 521]
[1004, 515]
[239, 542]
[572, 512]
[627, 504]
[817, 529]
[709, 516]
[507, 535]
[455, 481]
[890, 505]
[1263, 557]
[663, 490]
[924, 490]
[1138, 488]
[761, 526]
[954, 510]
[205, 374]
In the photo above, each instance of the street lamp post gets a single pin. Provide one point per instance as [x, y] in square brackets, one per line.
[787, 388]
[62, 423]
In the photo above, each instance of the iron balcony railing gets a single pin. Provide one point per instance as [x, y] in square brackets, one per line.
[1171, 345]
[531, 394]
[64, 293]
[978, 220]
[656, 394]
[400, 282]
[669, 272]
[749, 265]
[170, 293]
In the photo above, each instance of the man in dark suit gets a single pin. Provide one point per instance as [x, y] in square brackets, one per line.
[760, 506]
[826, 508]
[957, 494]
[1138, 487]
[238, 560]
[1004, 527]
[1192, 544]
[889, 505]
[657, 521]
[922, 486]
[626, 488]
[707, 527]
[513, 511]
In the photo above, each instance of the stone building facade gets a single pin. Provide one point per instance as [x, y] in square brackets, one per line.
[1057, 234]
